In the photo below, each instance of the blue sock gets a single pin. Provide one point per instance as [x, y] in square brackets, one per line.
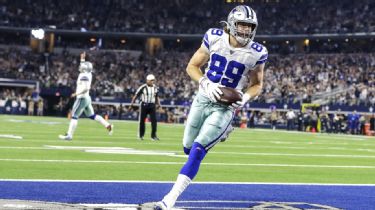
[92, 117]
[196, 156]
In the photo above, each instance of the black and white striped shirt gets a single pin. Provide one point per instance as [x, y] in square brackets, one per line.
[148, 94]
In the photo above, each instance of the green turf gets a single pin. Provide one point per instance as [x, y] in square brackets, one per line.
[247, 156]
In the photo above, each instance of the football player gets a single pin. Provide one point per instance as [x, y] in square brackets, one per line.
[234, 60]
[83, 100]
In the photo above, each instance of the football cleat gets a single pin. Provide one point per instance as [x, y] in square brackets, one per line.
[65, 137]
[110, 129]
[160, 206]
[155, 138]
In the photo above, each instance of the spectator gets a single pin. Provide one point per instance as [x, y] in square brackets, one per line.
[30, 109]
[40, 106]
[290, 116]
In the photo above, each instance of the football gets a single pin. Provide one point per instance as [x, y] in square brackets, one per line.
[229, 96]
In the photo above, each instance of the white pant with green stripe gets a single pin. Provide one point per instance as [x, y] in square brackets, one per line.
[82, 105]
[207, 123]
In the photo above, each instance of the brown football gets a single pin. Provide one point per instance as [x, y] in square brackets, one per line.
[230, 95]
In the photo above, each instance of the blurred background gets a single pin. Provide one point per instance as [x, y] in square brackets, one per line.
[320, 75]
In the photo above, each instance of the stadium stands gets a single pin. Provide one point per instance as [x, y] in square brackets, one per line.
[277, 17]
[339, 73]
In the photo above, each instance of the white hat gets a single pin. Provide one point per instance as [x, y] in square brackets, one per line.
[150, 77]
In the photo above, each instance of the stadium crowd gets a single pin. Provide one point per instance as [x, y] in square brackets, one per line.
[344, 79]
[277, 17]
[320, 74]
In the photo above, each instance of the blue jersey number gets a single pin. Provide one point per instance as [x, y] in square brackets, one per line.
[218, 32]
[257, 47]
[233, 71]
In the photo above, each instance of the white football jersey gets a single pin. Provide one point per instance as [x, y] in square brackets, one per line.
[230, 66]
[84, 82]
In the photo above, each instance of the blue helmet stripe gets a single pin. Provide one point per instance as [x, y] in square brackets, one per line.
[247, 11]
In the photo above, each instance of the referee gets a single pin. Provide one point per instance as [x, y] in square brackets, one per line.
[149, 99]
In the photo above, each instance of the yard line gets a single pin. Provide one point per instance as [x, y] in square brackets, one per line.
[48, 147]
[296, 155]
[181, 163]
[301, 148]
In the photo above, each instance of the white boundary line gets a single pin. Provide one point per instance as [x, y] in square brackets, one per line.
[122, 150]
[181, 163]
[195, 182]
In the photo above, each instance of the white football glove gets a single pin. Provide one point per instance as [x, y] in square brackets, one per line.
[239, 104]
[212, 89]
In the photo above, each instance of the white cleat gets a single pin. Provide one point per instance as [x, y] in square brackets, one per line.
[110, 129]
[65, 137]
[160, 206]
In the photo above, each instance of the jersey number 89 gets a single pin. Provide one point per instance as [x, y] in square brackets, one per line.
[232, 70]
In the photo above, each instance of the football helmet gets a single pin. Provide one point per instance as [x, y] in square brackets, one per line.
[242, 14]
[85, 66]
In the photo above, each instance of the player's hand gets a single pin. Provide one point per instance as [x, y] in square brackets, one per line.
[73, 95]
[212, 89]
[240, 104]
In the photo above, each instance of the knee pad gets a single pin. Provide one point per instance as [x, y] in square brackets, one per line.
[197, 152]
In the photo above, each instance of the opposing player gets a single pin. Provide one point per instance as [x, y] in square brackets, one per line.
[234, 60]
[83, 100]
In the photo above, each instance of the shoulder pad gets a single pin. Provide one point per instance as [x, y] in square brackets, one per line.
[260, 51]
[211, 36]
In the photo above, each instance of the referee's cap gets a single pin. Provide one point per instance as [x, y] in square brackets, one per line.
[150, 77]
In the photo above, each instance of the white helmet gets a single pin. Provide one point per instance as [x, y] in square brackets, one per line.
[242, 14]
[85, 67]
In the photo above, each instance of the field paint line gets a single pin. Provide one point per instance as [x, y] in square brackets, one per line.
[110, 205]
[301, 148]
[119, 150]
[328, 135]
[84, 147]
[137, 142]
[264, 204]
[26, 148]
[181, 163]
[296, 155]
[130, 152]
[10, 136]
[304, 142]
[195, 182]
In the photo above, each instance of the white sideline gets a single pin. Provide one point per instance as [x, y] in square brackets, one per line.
[174, 153]
[181, 163]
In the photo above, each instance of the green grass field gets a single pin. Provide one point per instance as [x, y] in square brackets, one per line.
[247, 156]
